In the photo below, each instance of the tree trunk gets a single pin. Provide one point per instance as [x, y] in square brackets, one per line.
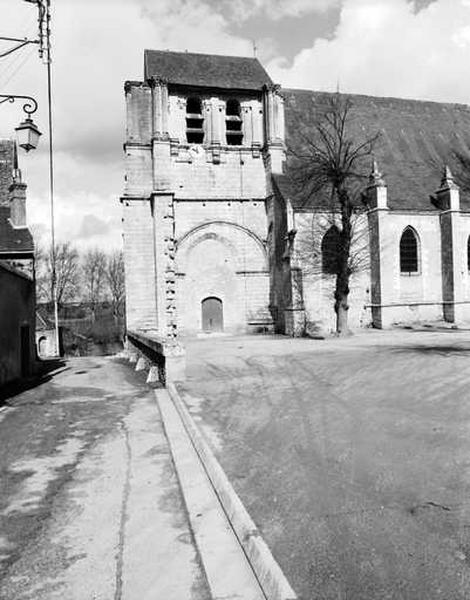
[344, 272]
[341, 304]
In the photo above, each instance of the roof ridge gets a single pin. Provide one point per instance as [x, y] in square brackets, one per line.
[185, 53]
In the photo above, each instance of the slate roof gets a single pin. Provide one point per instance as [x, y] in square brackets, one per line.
[13, 240]
[416, 139]
[205, 70]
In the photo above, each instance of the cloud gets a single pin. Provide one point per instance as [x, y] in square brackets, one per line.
[384, 47]
[92, 226]
[243, 10]
[387, 48]
[96, 46]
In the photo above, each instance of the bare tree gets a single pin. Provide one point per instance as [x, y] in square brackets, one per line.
[462, 169]
[64, 262]
[94, 278]
[116, 282]
[334, 164]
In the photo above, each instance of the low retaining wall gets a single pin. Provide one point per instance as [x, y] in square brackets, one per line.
[165, 359]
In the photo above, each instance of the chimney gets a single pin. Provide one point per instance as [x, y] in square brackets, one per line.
[17, 200]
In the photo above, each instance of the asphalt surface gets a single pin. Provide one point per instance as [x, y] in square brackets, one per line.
[90, 507]
[352, 456]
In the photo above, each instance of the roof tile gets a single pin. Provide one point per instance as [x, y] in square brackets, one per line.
[205, 70]
[417, 139]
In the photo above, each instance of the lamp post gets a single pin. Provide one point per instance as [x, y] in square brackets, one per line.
[29, 130]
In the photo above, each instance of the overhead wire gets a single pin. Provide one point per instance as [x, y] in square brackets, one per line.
[16, 66]
[11, 64]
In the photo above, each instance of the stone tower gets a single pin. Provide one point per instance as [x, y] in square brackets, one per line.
[204, 135]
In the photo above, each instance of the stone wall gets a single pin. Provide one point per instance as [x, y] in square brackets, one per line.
[139, 263]
[222, 259]
[417, 296]
[319, 287]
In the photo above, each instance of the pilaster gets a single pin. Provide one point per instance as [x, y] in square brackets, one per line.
[294, 312]
[448, 200]
[165, 271]
[257, 139]
[159, 92]
[376, 201]
[274, 125]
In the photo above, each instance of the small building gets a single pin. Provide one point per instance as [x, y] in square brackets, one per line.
[17, 283]
[216, 237]
[45, 335]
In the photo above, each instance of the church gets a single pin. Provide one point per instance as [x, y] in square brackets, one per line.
[218, 239]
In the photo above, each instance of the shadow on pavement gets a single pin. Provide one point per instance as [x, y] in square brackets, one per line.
[435, 349]
[42, 375]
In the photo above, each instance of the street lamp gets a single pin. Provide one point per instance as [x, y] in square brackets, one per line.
[27, 132]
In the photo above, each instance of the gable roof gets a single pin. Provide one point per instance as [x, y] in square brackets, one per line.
[13, 240]
[205, 70]
[416, 139]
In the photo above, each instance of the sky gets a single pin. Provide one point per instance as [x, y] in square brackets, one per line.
[405, 48]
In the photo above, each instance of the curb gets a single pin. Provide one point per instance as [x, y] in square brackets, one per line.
[268, 572]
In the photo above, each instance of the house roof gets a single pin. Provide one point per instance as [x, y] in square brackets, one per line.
[205, 70]
[416, 139]
[8, 162]
[13, 240]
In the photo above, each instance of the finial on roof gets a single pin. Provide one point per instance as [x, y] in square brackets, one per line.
[375, 177]
[17, 177]
[447, 181]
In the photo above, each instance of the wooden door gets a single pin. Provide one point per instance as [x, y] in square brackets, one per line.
[212, 314]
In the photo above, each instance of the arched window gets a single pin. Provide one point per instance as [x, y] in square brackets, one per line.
[468, 253]
[233, 123]
[331, 251]
[409, 251]
[194, 121]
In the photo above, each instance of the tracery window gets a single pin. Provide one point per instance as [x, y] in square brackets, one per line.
[194, 121]
[409, 251]
[233, 123]
[331, 251]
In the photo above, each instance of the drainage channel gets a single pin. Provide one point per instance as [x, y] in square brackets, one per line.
[236, 560]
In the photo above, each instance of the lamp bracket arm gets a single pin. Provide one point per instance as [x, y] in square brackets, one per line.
[29, 107]
[22, 42]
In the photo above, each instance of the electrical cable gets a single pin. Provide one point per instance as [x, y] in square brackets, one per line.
[21, 62]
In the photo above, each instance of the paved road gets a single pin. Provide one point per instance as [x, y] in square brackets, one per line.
[90, 508]
[352, 456]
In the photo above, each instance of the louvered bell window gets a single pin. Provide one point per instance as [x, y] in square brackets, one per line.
[233, 123]
[194, 121]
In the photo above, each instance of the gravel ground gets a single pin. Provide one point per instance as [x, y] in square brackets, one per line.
[352, 456]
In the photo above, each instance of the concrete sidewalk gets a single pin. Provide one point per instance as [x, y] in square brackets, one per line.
[90, 507]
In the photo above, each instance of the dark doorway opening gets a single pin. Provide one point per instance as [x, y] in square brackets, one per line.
[212, 314]
[25, 350]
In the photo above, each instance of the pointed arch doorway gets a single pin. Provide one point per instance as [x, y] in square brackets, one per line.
[212, 314]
